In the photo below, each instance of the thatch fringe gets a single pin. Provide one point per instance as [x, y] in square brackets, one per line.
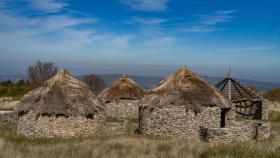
[184, 88]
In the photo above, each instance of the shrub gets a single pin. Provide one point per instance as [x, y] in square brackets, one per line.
[273, 95]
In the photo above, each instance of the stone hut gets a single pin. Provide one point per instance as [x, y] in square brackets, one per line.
[62, 107]
[122, 98]
[181, 105]
[185, 105]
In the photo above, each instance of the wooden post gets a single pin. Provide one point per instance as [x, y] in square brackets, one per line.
[229, 84]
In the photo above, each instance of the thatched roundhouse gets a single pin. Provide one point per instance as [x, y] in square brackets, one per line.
[181, 105]
[63, 106]
[122, 98]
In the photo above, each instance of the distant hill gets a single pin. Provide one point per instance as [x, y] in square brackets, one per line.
[147, 82]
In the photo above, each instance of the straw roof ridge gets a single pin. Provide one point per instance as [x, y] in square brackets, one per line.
[185, 88]
[61, 95]
[122, 89]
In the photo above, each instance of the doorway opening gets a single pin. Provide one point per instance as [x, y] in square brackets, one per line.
[223, 117]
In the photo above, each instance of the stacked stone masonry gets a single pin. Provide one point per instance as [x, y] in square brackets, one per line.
[243, 131]
[45, 126]
[177, 122]
[123, 109]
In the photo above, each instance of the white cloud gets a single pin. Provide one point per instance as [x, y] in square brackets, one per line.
[207, 23]
[200, 29]
[50, 6]
[145, 21]
[218, 17]
[147, 5]
[55, 36]
[42, 24]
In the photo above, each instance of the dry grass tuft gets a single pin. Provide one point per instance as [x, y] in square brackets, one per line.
[131, 146]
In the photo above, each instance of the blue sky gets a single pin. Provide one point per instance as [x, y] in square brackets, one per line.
[144, 37]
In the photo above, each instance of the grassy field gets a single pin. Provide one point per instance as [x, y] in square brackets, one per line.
[132, 146]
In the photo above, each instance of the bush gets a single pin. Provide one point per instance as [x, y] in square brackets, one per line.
[17, 90]
[273, 95]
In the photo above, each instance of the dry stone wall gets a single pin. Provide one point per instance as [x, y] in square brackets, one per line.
[263, 131]
[230, 117]
[125, 115]
[242, 131]
[176, 121]
[45, 126]
[123, 109]
[265, 109]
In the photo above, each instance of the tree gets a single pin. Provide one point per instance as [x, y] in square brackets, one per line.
[95, 83]
[41, 71]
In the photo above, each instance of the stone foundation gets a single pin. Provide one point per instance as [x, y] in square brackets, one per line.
[45, 126]
[175, 121]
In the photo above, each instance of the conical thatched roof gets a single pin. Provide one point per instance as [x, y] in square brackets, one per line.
[61, 95]
[122, 89]
[184, 88]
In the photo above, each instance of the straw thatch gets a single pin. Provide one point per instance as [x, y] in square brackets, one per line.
[122, 89]
[61, 95]
[185, 88]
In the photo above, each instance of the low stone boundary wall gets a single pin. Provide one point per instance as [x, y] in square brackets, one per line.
[263, 131]
[118, 127]
[244, 132]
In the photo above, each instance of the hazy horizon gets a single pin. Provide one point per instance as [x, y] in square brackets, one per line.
[143, 37]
